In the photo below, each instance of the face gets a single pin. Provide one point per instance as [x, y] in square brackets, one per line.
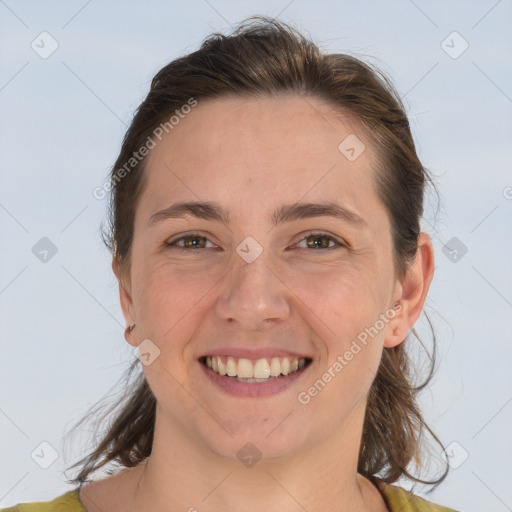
[261, 276]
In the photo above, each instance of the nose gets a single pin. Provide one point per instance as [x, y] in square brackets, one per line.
[253, 296]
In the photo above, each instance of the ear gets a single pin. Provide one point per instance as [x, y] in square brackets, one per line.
[125, 298]
[411, 293]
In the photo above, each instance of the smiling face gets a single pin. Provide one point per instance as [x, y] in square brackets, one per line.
[261, 274]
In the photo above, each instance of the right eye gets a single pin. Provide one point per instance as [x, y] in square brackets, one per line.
[190, 241]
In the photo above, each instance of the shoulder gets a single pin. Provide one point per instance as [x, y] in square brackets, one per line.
[67, 502]
[399, 499]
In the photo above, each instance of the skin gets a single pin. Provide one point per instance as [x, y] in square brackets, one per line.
[252, 156]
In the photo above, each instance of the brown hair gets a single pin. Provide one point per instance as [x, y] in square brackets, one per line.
[264, 57]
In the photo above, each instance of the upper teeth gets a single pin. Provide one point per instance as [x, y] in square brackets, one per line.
[261, 369]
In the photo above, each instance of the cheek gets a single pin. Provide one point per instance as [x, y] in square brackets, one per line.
[169, 304]
[343, 308]
[344, 299]
[168, 301]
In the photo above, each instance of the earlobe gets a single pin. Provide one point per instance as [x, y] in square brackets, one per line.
[125, 299]
[413, 292]
[397, 329]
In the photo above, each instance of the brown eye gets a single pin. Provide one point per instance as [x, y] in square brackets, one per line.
[320, 241]
[190, 242]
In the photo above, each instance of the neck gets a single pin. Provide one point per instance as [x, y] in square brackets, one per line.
[182, 474]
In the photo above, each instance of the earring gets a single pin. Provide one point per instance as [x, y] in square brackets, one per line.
[129, 329]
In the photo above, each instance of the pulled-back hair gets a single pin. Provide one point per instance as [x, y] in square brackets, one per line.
[262, 58]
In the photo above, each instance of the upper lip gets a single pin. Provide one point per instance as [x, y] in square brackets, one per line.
[260, 353]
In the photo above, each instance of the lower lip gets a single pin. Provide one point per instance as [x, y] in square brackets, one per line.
[254, 389]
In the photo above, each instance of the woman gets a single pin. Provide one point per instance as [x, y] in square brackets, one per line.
[265, 232]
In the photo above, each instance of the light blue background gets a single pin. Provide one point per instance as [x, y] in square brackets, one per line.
[62, 121]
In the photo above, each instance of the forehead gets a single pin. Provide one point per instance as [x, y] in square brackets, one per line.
[288, 126]
[266, 148]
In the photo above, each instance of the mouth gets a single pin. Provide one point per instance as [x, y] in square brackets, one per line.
[255, 371]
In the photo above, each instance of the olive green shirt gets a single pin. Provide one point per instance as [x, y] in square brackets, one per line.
[396, 498]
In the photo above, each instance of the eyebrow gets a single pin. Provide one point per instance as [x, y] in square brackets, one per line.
[286, 213]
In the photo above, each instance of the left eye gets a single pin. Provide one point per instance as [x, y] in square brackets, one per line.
[319, 241]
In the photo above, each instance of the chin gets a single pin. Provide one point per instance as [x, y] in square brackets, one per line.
[256, 438]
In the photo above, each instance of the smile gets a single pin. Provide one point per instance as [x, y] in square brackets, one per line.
[254, 371]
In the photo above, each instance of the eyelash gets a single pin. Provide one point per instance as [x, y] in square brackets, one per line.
[309, 235]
